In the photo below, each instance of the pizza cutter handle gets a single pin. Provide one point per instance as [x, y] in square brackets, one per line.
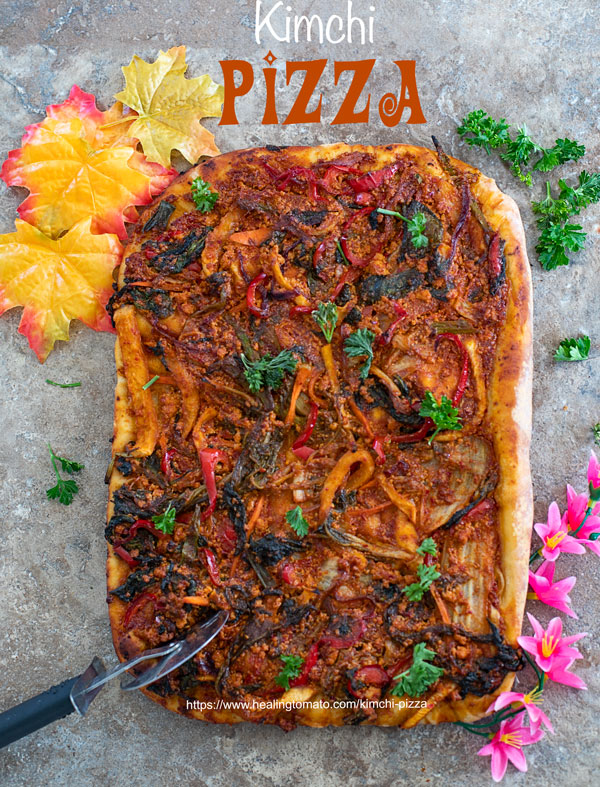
[37, 712]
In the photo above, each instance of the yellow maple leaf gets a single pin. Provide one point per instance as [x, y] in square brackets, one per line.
[57, 281]
[74, 167]
[170, 107]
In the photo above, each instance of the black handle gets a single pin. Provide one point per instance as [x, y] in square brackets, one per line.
[35, 713]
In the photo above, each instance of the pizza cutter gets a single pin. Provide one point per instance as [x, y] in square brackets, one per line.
[76, 694]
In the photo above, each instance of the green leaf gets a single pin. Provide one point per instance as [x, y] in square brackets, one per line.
[166, 520]
[564, 150]
[426, 575]
[326, 317]
[575, 349]
[415, 226]
[596, 433]
[444, 415]
[63, 385]
[359, 344]
[555, 240]
[68, 466]
[268, 372]
[295, 519]
[427, 547]
[63, 491]
[292, 668]
[421, 674]
[203, 196]
[481, 130]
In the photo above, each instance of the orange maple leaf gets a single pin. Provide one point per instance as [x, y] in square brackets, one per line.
[57, 281]
[80, 162]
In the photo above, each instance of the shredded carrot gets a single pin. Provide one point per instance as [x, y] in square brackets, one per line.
[280, 278]
[166, 379]
[301, 376]
[361, 417]
[234, 566]
[440, 605]
[198, 433]
[198, 601]
[251, 237]
[327, 354]
[140, 283]
[255, 514]
[311, 391]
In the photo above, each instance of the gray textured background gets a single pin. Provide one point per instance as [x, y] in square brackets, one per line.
[534, 61]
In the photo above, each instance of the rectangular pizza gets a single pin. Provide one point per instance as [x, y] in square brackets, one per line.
[322, 426]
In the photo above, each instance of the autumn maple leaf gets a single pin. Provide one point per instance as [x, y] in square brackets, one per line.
[74, 168]
[57, 281]
[170, 107]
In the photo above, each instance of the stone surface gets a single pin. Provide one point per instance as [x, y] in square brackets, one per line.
[531, 61]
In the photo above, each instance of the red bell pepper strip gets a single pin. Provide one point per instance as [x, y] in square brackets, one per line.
[480, 508]
[304, 452]
[319, 251]
[209, 458]
[309, 662]
[165, 464]
[142, 524]
[251, 296]
[386, 336]
[494, 258]
[378, 448]
[329, 177]
[211, 566]
[136, 605]
[350, 256]
[308, 429]
[124, 555]
[373, 180]
[295, 310]
[464, 374]
[293, 174]
[399, 666]
[369, 675]
[272, 172]
[287, 573]
[414, 437]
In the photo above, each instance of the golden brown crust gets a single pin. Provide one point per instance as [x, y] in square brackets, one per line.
[509, 413]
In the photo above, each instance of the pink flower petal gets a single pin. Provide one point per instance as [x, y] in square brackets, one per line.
[517, 758]
[499, 763]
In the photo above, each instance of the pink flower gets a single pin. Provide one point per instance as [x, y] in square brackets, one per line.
[555, 535]
[537, 717]
[507, 745]
[555, 594]
[576, 510]
[593, 471]
[552, 651]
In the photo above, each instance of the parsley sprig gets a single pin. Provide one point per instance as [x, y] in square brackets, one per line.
[426, 575]
[415, 226]
[268, 372]
[295, 519]
[65, 489]
[358, 344]
[574, 349]
[481, 130]
[326, 317]
[557, 235]
[421, 674]
[443, 414]
[166, 520]
[202, 194]
[427, 547]
[292, 668]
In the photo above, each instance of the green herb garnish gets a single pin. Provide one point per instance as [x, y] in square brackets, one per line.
[326, 317]
[427, 547]
[292, 668]
[573, 349]
[416, 226]
[444, 415]
[268, 372]
[202, 194]
[63, 385]
[150, 382]
[64, 489]
[166, 520]
[345, 259]
[420, 676]
[427, 575]
[360, 344]
[295, 519]
[480, 130]
[557, 237]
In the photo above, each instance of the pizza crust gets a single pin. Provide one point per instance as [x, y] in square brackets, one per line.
[509, 412]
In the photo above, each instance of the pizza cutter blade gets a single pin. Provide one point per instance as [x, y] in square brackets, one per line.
[76, 694]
